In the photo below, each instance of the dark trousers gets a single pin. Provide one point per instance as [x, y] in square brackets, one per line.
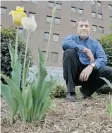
[72, 68]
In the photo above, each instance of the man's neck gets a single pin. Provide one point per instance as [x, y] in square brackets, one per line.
[83, 38]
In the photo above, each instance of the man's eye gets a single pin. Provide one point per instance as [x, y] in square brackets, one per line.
[81, 25]
[86, 26]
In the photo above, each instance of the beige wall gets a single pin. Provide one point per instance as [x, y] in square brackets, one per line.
[64, 28]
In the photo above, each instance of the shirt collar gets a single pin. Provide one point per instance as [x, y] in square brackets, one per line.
[78, 39]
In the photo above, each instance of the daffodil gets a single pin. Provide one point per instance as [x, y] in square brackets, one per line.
[29, 23]
[17, 15]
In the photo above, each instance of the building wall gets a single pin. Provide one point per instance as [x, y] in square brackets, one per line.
[41, 10]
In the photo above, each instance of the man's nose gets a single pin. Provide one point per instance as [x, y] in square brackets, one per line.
[83, 27]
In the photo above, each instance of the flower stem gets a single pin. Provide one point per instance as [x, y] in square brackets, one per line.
[26, 49]
[50, 31]
[16, 45]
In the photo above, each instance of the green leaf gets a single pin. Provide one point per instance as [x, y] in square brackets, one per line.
[45, 106]
[16, 91]
[28, 100]
[16, 67]
[12, 54]
[11, 101]
[26, 72]
[45, 93]
[40, 56]
[38, 83]
[107, 82]
[109, 108]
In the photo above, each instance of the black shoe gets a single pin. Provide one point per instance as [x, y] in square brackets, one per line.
[84, 94]
[71, 98]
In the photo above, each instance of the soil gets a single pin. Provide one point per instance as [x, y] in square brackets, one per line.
[83, 116]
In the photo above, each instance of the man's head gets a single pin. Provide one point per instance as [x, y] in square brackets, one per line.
[83, 27]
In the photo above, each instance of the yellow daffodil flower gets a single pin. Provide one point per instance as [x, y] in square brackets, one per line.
[17, 15]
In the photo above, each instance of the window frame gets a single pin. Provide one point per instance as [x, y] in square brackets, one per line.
[46, 33]
[31, 13]
[72, 7]
[96, 28]
[54, 34]
[3, 8]
[95, 14]
[99, 29]
[56, 54]
[80, 9]
[73, 21]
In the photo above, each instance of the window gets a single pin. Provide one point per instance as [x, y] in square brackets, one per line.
[110, 30]
[54, 56]
[100, 16]
[25, 11]
[58, 5]
[3, 10]
[24, 0]
[101, 29]
[44, 53]
[31, 14]
[34, 1]
[48, 19]
[80, 11]
[73, 9]
[73, 23]
[94, 14]
[110, 18]
[55, 37]
[20, 30]
[57, 20]
[50, 4]
[94, 28]
[0, 27]
[99, 3]
[25, 33]
[110, 7]
[46, 35]
[93, 2]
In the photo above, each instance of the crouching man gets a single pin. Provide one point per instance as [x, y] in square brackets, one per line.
[84, 62]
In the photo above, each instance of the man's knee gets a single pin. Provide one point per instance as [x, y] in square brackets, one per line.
[70, 53]
[106, 71]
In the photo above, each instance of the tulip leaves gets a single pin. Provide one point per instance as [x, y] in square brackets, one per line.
[34, 100]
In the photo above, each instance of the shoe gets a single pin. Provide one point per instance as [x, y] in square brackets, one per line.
[84, 94]
[71, 98]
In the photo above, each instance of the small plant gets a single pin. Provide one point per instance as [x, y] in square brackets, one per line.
[7, 35]
[59, 91]
[109, 104]
[106, 42]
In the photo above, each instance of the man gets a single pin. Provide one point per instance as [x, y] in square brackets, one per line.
[84, 62]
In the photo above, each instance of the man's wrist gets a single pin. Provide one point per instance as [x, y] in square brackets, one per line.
[85, 50]
[93, 65]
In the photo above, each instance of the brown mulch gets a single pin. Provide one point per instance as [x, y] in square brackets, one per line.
[83, 116]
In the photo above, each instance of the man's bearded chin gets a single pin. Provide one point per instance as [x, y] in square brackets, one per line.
[84, 37]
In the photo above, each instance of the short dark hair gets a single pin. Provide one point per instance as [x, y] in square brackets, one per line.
[83, 19]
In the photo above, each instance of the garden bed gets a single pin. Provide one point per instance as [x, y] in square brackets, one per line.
[83, 116]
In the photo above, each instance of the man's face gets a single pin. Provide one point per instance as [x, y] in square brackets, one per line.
[83, 29]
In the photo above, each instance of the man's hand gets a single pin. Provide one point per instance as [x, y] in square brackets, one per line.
[86, 73]
[89, 54]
